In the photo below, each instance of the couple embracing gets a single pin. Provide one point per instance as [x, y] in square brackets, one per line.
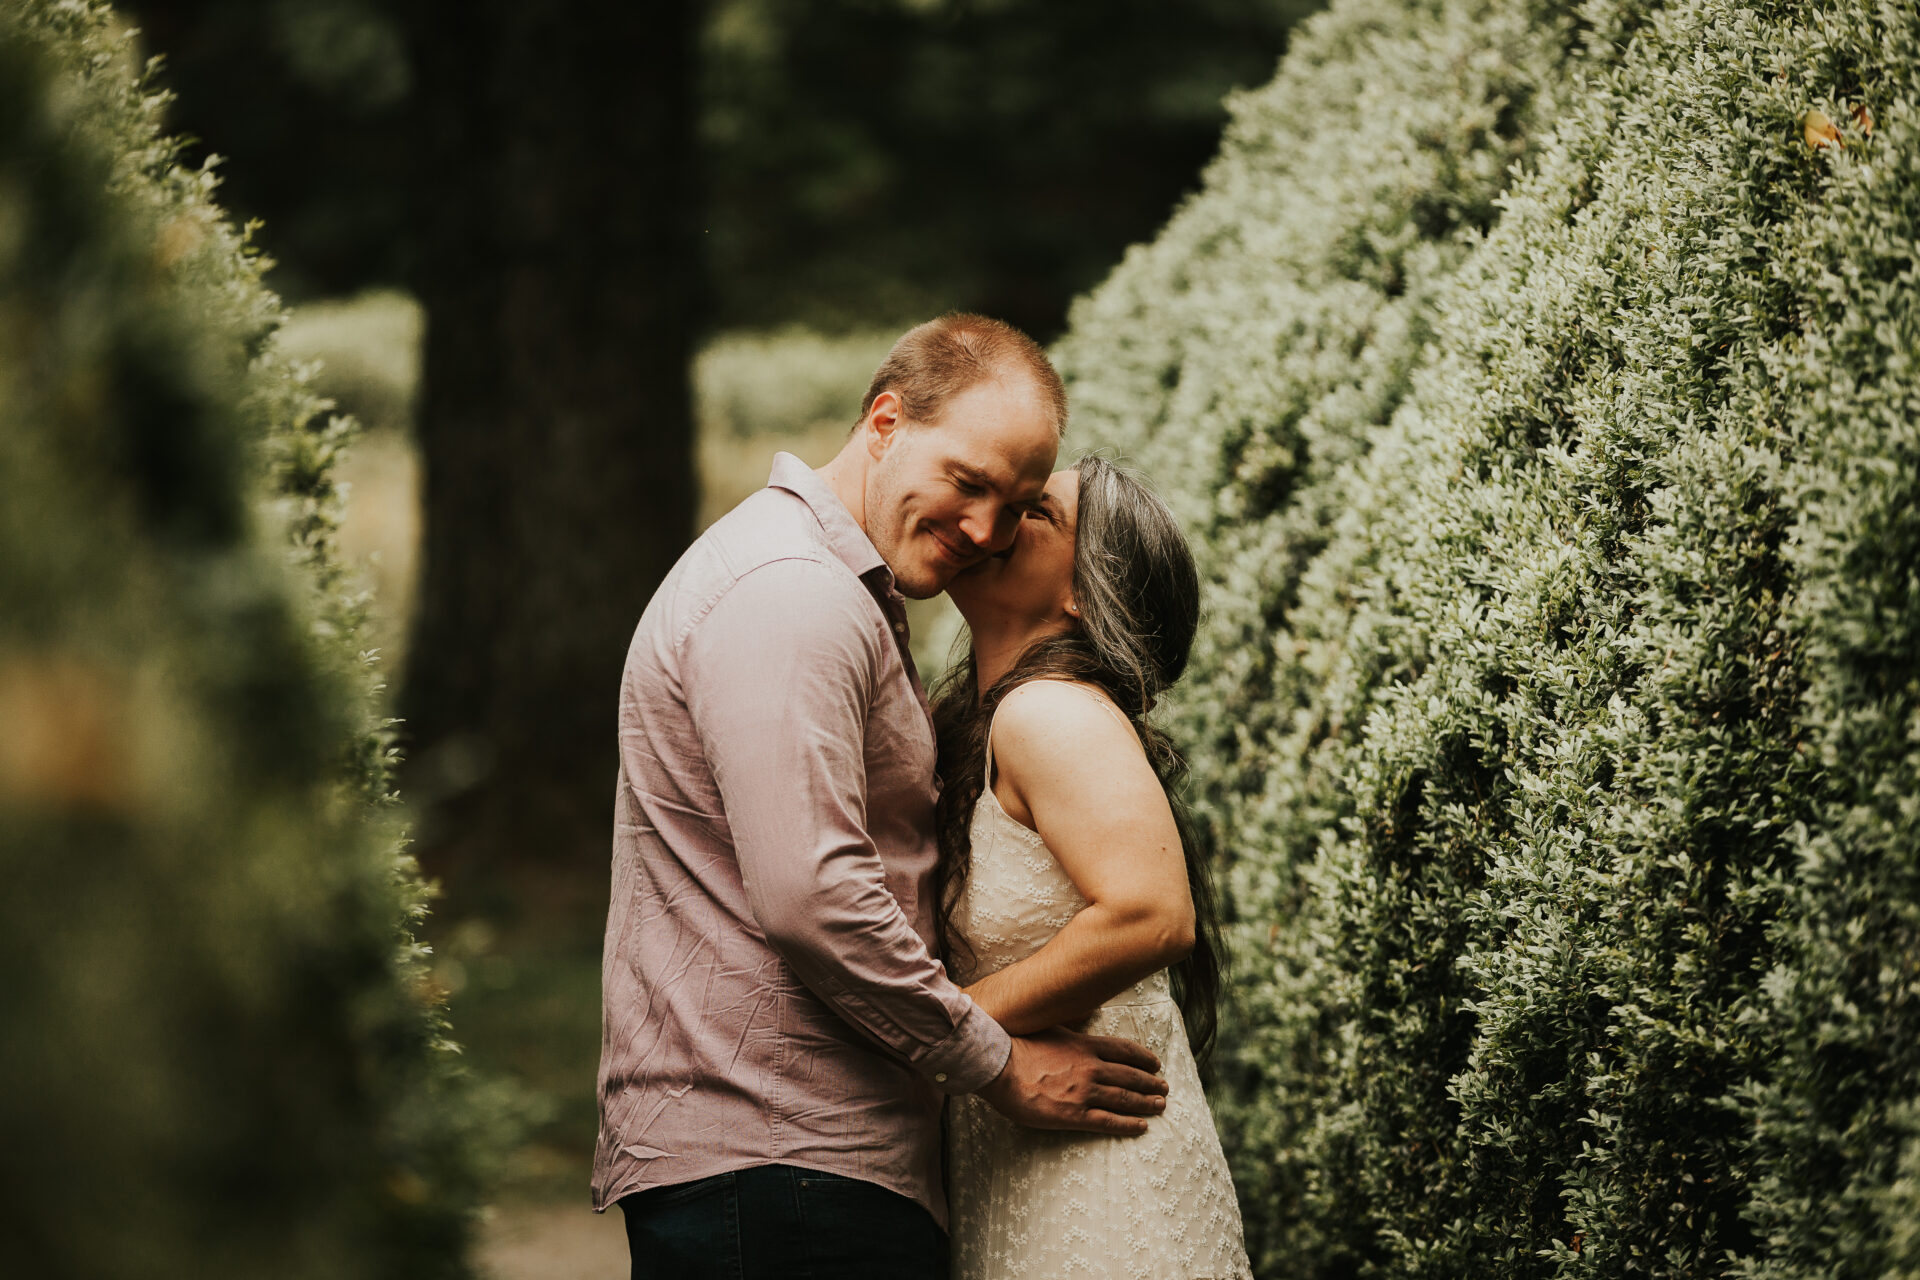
[831, 921]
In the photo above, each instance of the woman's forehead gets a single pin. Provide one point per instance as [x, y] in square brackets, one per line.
[1063, 492]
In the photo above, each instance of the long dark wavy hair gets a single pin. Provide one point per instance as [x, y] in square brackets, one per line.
[1138, 594]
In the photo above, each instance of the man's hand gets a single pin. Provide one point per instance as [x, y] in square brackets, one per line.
[1064, 1080]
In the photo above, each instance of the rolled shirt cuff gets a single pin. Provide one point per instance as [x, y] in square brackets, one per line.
[971, 1058]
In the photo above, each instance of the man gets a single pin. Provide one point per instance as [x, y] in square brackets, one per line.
[777, 1033]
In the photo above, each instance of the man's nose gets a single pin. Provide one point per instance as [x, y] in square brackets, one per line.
[978, 526]
[990, 531]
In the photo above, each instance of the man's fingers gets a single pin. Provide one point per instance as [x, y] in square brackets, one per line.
[1128, 1078]
[1108, 1122]
[1093, 1084]
[1124, 1052]
[1125, 1102]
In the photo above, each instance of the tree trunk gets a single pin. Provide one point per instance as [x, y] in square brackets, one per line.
[558, 265]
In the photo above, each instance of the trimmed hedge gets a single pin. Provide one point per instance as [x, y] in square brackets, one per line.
[1558, 711]
[219, 1052]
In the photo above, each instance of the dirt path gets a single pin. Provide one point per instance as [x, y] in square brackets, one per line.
[563, 1241]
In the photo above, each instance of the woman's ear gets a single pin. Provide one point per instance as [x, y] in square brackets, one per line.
[1073, 610]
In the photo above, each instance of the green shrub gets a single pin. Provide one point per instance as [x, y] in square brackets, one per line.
[1247, 359]
[219, 1055]
[1557, 714]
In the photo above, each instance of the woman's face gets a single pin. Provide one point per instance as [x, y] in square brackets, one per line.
[1030, 584]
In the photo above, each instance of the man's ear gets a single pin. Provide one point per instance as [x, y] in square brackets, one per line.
[881, 423]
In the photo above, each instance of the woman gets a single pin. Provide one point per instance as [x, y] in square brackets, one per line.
[1068, 887]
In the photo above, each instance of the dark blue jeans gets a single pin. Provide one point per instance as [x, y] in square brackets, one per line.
[778, 1222]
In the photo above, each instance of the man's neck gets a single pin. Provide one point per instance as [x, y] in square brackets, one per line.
[846, 475]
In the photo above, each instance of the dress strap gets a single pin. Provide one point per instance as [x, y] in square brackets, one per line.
[986, 780]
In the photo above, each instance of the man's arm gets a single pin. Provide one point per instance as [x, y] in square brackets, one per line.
[779, 677]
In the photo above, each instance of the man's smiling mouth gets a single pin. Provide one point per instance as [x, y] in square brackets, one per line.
[951, 552]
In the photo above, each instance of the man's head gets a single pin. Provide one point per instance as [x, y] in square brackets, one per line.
[957, 437]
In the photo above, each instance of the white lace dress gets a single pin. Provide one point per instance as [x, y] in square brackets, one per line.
[1050, 1205]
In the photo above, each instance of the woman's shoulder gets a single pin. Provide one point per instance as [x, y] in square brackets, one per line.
[1050, 711]
[1052, 693]
[1063, 746]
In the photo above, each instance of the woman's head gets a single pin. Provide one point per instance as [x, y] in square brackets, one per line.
[1099, 587]
[1104, 560]
[1134, 580]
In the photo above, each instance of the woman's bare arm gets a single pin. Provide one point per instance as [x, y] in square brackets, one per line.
[1073, 770]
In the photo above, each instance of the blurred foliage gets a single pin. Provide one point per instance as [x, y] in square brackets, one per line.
[757, 393]
[873, 162]
[220, 1053]
[306, 100]
[867, 162]
[368, 349]
[785, 382]
[528, 1008]
[1539, 385]
[365, 353]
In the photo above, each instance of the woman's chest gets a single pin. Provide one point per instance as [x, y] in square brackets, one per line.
[1017, 895]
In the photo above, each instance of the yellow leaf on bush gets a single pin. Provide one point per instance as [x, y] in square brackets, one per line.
[1863, 118]
[1820, 131]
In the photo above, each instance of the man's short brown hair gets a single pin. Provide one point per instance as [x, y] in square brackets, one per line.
[935, 361]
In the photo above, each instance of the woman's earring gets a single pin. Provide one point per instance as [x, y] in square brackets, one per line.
[1073, 611]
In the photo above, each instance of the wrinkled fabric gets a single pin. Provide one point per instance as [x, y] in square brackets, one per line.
[769, 989]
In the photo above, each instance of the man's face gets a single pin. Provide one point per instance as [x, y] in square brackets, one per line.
[944, 495]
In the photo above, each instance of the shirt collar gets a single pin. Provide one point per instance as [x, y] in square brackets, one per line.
[843, 534]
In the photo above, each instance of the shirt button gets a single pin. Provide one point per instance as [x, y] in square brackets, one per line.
[939, 1077]
[900, 627]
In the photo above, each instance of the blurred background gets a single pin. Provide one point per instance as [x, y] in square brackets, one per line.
[581, 270]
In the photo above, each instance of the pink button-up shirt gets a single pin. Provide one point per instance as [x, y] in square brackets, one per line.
[770, 994]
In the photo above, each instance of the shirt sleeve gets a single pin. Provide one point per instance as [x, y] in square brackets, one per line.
[779, 677]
